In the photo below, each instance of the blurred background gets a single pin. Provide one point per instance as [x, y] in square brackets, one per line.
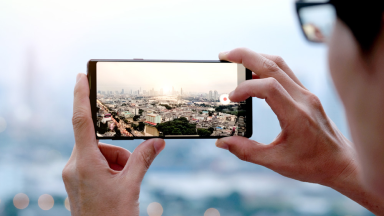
[44, 44]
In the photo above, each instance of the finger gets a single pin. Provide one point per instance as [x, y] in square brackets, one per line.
[82, 118]
[283, 66]
[269, 89]
[263, 67]
[142, 158]
[117, 157]
[247, 150]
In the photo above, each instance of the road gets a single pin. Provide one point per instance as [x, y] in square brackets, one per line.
[123, 131]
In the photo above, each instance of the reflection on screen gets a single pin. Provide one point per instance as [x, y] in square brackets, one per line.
[160, 99]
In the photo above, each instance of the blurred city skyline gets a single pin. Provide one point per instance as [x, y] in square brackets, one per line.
[44, 44]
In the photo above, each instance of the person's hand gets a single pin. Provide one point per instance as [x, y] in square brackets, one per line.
[103, 179]
[309, 148]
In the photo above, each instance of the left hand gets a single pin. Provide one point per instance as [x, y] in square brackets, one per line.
[102, 179]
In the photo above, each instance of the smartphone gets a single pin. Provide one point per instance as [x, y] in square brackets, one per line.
[169, 99]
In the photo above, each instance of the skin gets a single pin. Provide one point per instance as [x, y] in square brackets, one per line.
[359, 80]
[310, 148]
[105, 180]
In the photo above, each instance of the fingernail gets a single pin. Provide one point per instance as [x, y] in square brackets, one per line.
[223, 55]
[78, 77]
[158, 145]
[221, 144]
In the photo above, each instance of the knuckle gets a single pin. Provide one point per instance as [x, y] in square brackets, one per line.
[79, 118]
[279, 60]
[244, 155]
[242, 53]
[273, 85]
[270, 66]
[66, 173]
[314, 101]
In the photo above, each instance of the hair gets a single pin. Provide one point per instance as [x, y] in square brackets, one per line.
[364, 19]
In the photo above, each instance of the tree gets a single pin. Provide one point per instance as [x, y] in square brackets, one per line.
[203, 132]
[176, 131]
[135, 126]
[118, 132]
[136, 117]
[103, 128]
[141, 111]
[180, 126]
[211, 129]
[166, 106]
[141, 126]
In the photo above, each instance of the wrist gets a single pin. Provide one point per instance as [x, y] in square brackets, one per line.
[349, 184]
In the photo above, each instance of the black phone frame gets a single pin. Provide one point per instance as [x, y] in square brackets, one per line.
[92, 79]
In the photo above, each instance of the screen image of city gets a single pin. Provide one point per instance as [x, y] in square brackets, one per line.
[168, 99]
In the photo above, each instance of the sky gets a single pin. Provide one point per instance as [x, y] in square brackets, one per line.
[191, 77]
[45, 44]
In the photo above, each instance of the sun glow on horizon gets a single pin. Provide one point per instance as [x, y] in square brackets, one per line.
[167, 89]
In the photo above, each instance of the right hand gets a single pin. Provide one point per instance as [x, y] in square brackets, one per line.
[309, 148]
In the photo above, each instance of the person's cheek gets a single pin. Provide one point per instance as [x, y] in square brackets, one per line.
[342, 59]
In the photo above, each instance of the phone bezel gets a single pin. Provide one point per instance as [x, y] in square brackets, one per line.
[92, 79]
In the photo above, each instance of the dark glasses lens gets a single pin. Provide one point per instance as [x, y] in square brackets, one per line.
[317, 20]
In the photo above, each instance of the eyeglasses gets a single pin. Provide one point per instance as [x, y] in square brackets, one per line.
[316, 20]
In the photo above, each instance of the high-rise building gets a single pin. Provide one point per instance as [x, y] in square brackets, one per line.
[215, 95]
[122, 91]
[153, 119]
[210, 95]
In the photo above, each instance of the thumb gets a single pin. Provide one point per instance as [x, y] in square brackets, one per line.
[142, 157]
[83, 127]
[246, 149]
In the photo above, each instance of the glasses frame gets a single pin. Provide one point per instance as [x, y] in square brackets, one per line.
[300, 5]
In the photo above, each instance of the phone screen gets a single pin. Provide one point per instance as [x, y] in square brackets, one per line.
[168, 99]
